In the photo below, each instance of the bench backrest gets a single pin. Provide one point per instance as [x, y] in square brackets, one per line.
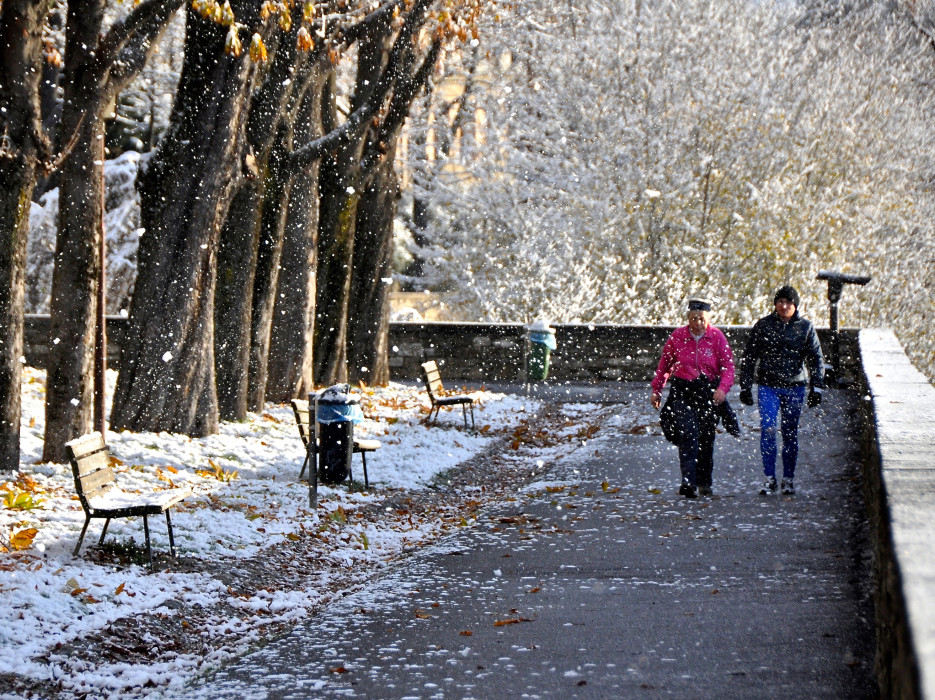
[303, 420]
[433, 379]
[91, 467]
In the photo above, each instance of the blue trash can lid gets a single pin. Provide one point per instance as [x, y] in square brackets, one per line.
[540, 332]
[336, 405]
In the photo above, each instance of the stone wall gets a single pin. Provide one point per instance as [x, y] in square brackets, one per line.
[899, 449]
[495, 352]
[585, 353]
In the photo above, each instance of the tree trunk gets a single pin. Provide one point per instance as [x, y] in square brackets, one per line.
[269, 253]
[369, 318]
[97, 66]
[69, 407]
[289, 368]
[338, 196]
[233, 307]
[24, 146]
[235, 312]
[167, 379]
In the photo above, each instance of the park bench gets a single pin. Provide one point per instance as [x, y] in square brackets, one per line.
[100, 496]
[307, 422]
[439, 397]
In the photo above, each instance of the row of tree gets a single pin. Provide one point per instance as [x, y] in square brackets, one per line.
[267, 209]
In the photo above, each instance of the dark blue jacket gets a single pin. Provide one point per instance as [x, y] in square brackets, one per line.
[780, 353]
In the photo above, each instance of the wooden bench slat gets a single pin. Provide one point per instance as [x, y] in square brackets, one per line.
[86, 444]
[96, 480]
[93, 462]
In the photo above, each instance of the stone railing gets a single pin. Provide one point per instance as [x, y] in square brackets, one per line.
[495, 352]
[585, 353]
[899, 443]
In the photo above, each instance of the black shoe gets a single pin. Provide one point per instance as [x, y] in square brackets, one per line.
[705, 491]
[769, 488]
[788, 487]
[688, 490]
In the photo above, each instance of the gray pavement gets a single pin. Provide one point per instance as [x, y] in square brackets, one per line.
[602, 583]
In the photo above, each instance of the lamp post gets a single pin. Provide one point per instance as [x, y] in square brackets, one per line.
[836, 282]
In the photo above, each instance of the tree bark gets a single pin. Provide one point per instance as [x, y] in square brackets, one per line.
[337, 213]
[96, 67]
[369, 317]
[233, 308]
[167, 378]
[22, 150]
[289, 368]
[269, 254]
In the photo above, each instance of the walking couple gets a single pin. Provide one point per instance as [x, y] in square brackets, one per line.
[782, 355]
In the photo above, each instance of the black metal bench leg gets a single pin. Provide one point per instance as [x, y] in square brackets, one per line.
[464, 413]
[473, 427]
[104, 532]
[171, 539]
[87, 521]
[304, 464]
[363, 458]
[313, 482]
[149, 549]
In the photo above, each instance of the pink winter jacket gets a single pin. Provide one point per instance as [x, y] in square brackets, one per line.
[686, 358]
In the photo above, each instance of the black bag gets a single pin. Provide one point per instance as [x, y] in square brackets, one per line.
[336, 445]
[667, 420]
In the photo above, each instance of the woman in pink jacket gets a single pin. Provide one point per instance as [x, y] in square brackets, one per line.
[698, 365]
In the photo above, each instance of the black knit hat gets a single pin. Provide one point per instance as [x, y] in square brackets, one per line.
[697, 304]
[787, 292]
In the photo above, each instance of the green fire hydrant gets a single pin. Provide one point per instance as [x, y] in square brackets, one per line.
[541, 344]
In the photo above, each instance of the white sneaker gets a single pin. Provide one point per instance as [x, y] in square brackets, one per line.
[788, 487]
[769, 487]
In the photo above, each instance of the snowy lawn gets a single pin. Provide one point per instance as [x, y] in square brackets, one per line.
[246, 501]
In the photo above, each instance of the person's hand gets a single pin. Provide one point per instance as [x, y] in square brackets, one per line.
[719, 396]
[746, 397]
[814, 398]
[656, 400]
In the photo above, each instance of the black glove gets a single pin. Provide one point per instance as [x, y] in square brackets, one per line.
[746, 397]
[814, 398]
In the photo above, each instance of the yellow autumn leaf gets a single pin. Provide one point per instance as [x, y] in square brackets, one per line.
[120, 589]
[257, 49]
[23, 538]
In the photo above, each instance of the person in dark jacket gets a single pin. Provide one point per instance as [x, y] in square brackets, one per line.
[784, 357]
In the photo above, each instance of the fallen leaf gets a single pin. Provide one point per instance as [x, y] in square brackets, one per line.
[511, 621]
[466, 633]
[338, 669]
[119, 589]
[23, 538]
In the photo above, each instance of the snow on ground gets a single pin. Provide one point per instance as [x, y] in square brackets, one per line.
[246, 498]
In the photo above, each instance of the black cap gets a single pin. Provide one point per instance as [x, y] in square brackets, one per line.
[699, 305]
[787, 292]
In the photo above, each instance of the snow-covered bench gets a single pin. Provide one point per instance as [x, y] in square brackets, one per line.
[438, 396]
[101, 497]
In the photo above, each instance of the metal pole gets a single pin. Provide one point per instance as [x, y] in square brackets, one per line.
[100, 340]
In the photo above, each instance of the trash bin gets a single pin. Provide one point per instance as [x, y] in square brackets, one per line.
[337, 413]
[541, 344]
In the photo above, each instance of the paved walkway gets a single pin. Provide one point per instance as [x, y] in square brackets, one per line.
[603, 583]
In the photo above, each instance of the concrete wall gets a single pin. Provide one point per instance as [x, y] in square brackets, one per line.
[495, 352]
[586, 352]
[899, 444]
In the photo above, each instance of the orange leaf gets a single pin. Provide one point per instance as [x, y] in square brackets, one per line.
[338, 669]
[23, 539]
[466, 633]
[120, 589]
